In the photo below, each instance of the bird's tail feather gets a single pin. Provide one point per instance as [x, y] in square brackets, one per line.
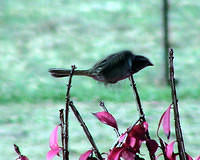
[61, 72]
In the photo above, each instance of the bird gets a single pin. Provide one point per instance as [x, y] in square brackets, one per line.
[111, 69]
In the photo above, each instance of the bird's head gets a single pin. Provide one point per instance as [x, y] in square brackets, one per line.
[140, 62]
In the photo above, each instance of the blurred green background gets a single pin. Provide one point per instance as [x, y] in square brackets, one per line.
[41, 34]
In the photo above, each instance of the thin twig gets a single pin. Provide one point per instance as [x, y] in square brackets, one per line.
[101, 103]
[133, 84]
[140, 109]
[21, 157]
[17, 150]
[66, 135]
[163, 146]
[62, 130]
[117, 132]
[179, 136]
[87, 132]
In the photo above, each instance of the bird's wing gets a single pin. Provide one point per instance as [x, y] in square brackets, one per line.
[109, 61]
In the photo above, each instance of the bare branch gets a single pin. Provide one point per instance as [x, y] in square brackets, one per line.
[140, 109]
[66, 130]
[62, 130]
[179, 136]
[87, 132]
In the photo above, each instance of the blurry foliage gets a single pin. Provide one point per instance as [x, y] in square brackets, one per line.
[37, 35]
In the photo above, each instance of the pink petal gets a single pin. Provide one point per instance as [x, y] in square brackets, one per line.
[132, 142]
[106, 118]
[122, 137]
[169, 150]
[85, 155]
[115, 153]
[137, 146]
[128, 155]
[189, 157]
[23, 158]
[198, 158]
[52, 153]
[165, 120]
[53, 140]
[145, 125]
[152, 146]
[53, 144]
[138, 132]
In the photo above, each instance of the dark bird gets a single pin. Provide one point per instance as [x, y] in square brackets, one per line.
[111, 69]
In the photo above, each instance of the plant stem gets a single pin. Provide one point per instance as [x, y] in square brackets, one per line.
[133, 84]
[17, 150]
[66, 131]
[21, 157]
[142, 115]
[62, 130]
[101, 103]
[87, 132]
[179, 136]
[163, 148]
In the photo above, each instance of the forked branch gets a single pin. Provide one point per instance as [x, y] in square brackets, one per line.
[66, 130]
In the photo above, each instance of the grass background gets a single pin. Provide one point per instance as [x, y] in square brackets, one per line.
[37, 35]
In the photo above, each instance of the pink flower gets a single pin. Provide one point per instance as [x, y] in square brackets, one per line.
[165, 120]
[53, 144]
[152, 146]
[189, 157]
[136, 136]
[146, 126]
[170, 151]
[115, 153]
[124, 152]
[22, 158]
[85, 155]
[130, 143]
[122, 137]
[139, 131]
[106, 118]
[128, 154]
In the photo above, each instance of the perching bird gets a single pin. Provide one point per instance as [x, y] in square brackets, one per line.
[111, 69]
